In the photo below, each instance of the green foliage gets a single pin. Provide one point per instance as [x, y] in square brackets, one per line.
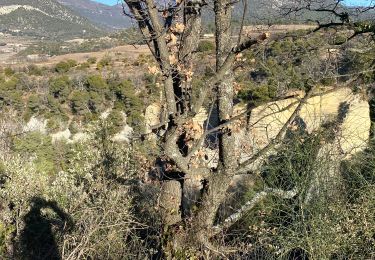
[72, 63]
[54, 107]
[39, 145]
[255, 94]
[104, 62]
[60, 87]
[363, 61]
[53, 125]
[205, 46]
[65, 66]
[95, 83]
[79, 101]
[115, 122]
[74, 127]
[128, 100]
[142, 59]
[10, 94]
[34, 103]
[360, 173]
[34, 70]
[8, 71]
[5, 234]
[84, 65]
[91, 60]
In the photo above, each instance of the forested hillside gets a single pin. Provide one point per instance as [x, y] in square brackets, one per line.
[250, 144]
[43, 18]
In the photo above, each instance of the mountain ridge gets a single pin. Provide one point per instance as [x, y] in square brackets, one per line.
[43, 18]
[99, 13]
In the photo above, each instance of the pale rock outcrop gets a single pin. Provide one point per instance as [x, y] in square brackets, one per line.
[36, 124]
[105, 114]
[124, 135]
[152, 116]
[61, 136]
[79, 137]
[267, 120]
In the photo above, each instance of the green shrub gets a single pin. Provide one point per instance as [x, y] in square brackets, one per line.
[34, 103]
[72, 63]
[255, 94]
[60, 87]
[74, 127]
[115, 122]
[9, 72]
[65, 66]
[10, 95]
[5, 234]
[104, 62]
[34, 70]
[39, 145]
[141, 60]
[79, 101]
[84, 66]
[53, 125]
[91, 60]
[96, 102]
[95, 83]
[62, 67]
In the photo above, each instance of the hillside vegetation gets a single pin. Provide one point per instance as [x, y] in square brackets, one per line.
[43, 18]
[252, 146]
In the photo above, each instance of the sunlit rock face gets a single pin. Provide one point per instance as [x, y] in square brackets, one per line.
[36, 124]
[61, 136]
[354, 112]
[152, 116]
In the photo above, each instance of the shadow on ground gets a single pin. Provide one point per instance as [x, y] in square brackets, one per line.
[38, 238]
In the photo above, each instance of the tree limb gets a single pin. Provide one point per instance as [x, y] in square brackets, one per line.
[229, 221]
[242, 167]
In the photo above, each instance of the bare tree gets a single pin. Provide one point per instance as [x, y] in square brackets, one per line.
[172, 34]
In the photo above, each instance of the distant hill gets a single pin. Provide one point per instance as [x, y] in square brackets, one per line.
[43, 18]
[258, 12]
[109, 17]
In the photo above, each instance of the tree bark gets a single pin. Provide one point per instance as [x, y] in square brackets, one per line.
[220, 180]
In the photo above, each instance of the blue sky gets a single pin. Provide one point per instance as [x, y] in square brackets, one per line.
[108, 2]
[349, 2]
[360, 2]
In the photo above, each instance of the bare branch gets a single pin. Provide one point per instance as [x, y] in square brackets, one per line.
[279, 136]
[229, 221]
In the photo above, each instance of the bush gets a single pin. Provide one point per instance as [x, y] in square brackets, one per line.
[91, 60]
[95, 83]
[104, 62]
[39, 145]
[256, 94]
[9, 72]
[115, 122]
[34, 70]
[72, 63]
[84, 66]
[65, 66]
[79, 101]
[34, 103]
[60, 87]
[10, 95]
[83, 211]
